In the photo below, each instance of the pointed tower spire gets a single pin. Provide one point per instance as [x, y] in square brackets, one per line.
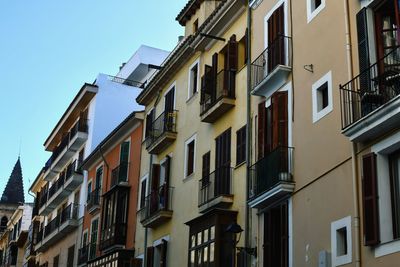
[14, 191]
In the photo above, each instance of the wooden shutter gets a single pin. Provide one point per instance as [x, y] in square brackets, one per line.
[149, 123]
[163, 258]
[155, 181]
[150, 257]
[370, 200]
[206, 83]
[363, 49]
[206, 165]
[214, 75]
[261, 129]
[279, 120]
[167, 165]
[232, 53]
[241, 145]
[275, 39]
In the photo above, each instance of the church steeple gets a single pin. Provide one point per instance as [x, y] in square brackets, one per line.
[14, 191]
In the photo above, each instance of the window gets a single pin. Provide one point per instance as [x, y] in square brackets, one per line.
[313, 8]
[99, 177]
[202, 248]
[193, 79]
[56, 260]
[89, 191]
[394, 163]
[322, 98]
[195, 25]
[341, 241]
[242, 52]
[124, 161]
[93, 238]
[149, 123]
[241, 145]
[190, 151]
[71, 255]
[143, 192]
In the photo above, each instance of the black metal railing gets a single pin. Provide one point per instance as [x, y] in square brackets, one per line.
[40, 234]
[156, 201]
[93, 199]
[70, 212]
[126, 81]
[166, 122]
[215, 184]
[222, 87]
[83, 254]
[43, 198]
[371, 89]
[274, 168]
[120, 174]
[277, 53]
[113, 235]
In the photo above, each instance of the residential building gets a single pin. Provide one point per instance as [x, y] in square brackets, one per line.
[109, 223]
[193, 171]
[62, 188]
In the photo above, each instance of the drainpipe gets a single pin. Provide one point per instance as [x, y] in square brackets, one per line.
[248, 126]
[356, 206]
[105, 162]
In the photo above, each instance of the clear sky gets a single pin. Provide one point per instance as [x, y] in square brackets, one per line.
[48, 49]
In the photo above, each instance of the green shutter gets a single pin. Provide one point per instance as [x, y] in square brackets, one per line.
[123, 161]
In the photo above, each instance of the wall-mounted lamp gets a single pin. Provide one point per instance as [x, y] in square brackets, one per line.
[235, 228]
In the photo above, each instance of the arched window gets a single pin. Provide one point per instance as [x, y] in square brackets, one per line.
[3, 223]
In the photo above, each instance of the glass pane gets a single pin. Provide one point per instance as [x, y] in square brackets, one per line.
[212, 232]
[212, 247]
[199, 256]
[199, 238]
[193, 241]
[192, 257]
[205, 254]
[205, 236]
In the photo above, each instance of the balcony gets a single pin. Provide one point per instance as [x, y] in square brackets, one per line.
[215, 190]
[69, 145]
[93, 201]
[113, 236]
[218, 97]
[157, 208]
[270, 70]
[86, 253]
[119, 175]
[271, 178]
[370, 102]
[162, 133]
[58, 228]
[67, 182]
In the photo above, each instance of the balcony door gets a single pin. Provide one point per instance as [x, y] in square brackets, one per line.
[222, 163]
[275, 42]
[124, 161]
[169, 107]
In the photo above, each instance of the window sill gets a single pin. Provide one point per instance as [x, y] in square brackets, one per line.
[191, 98]
[387, 248]
[187, 178]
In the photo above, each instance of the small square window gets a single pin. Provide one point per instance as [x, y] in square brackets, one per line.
[322, 98]
[313, 8]
[341, 241]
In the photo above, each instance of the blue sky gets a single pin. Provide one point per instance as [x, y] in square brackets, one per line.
[48, 49]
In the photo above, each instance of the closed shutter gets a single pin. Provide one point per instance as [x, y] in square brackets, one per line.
[232, 53]
[267, 246]
[150, 257]
[205, 173]
[261, 129]
[214, 76]
[279, 120]
[275, 39]
[163, 258]
[149, 123]
[123, 161]
[370, 200]
[167, 180]
[155, 184]
[363, 49]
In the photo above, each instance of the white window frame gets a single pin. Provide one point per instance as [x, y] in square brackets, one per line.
[86, 231]
[317, 115]
[383, 149]
[311, 14]
[187, 142]
[101, 165]
[335, 226]
[171, 87]
[285, 19]
[190, 95]
[144, 177]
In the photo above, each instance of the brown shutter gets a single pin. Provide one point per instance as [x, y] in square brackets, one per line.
[150, 257]
[214, 75]
[149, 123]
[206, 165]
[370, 200]
[246, 45]
[261, 129]
[167, 178]
[155, 181]
[163, 258]
[232, 53]
[279, 120]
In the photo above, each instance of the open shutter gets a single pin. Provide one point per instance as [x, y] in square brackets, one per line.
[232, 53]
[206, 167]
[363, 49]
[155, 184]
[279, 120]
[167, 178]
[261, 129]
[163, 258]
[214, 76]
[149, 123]
[150, 257]
[370, 200]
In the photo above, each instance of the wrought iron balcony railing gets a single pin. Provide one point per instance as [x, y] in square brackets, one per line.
[70, 212]
[157, 201]
[113, 235]
[222, 87]
[166, 122]
[371, 89]
[120, 174]
[217, 183]
[274, 168]
[93, 199]
[277, 53]
[87, 253]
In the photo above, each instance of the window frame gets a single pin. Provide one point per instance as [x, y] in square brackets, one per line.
[243, 134]
[338, 260]
[142, 179]
[171, 87]
[319, 114]
[187, 142]
[312, 13]
[191, 94]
